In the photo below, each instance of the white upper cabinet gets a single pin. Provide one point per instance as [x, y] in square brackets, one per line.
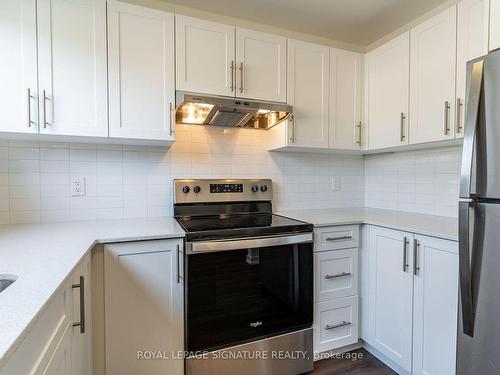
[435, 306]
[308, 83]
[18, 66]
[432, 78]
[494, 25]
[260, 66]
[390, 296]
[141, 72]
[72, 67]
[388, 89]
[345, 130]
[472, 42]
[205, 56]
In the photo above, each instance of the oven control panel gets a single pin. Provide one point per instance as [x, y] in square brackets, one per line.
[206, 191]
[226, 188]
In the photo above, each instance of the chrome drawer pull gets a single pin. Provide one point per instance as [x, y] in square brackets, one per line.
[339, 325]
[341, 238]
[343, 274]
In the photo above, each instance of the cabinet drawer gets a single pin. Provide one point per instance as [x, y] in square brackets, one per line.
[333, 238]
[335, 323]
[335, 274]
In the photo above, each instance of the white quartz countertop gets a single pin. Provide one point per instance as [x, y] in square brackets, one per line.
[429, 225]
[44, 255]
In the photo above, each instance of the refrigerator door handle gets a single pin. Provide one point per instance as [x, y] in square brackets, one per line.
[468, 200]
[464, 266]
[471, 119]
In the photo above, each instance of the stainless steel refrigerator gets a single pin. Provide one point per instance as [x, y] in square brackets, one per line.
[478, 350]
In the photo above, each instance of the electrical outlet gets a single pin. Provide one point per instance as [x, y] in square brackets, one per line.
[335, 183]
[77, 186]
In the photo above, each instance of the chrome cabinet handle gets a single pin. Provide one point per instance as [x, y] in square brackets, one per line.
[402, 124]
[44, 98]
[292, 133]
[81, 323]
[172, 118]
[29, 97]
[339, 325]
[446, 117]
[232, 75]
[405, 254]
[336, 276]
[340, 238]
[359, 135]
[459, 115]
[179, 254]
[416, 248]
[241, 77]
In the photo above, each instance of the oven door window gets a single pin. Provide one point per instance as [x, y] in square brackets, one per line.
[242, 295]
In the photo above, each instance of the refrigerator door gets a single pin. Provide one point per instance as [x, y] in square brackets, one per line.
[480, 353]
[487, 151]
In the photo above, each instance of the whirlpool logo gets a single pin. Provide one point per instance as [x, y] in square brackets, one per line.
[256, 324]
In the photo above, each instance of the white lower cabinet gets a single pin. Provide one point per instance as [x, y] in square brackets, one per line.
[335, 287]
[391, 295]
[412, 300]
[143, 297]
[435, 304]
[55, 344]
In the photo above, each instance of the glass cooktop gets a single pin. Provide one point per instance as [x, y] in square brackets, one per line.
[230, 226]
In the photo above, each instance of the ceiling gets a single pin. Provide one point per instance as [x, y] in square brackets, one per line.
[359, 22]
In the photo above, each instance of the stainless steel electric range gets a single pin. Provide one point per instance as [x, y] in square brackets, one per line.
[248, 280]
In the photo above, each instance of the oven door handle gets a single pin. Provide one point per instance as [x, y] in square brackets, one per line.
[246, 243]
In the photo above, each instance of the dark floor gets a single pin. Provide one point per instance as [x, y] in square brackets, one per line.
[364, 364]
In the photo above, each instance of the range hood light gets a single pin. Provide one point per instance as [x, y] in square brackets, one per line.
[193, 113]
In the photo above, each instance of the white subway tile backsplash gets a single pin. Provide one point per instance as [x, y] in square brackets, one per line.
[418, 181]
[136, 181]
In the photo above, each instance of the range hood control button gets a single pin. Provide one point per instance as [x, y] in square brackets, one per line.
[255, 188]
[197, 189]
[185, 189]
[263, 188]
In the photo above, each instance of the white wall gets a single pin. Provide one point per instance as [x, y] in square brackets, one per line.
[418, 181]
[131, 181]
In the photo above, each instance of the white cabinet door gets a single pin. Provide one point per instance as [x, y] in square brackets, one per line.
[345, 99]
[390, 297]
[18, 65]
[260, 66]
[432, 78]
[307, 91]
[205, 53]
[141, 72]
[143, 306]
[72, 67]
[435, 306]
[60, 361]
[388, 90]
[494, 25]
[81, 342]
[472, 42]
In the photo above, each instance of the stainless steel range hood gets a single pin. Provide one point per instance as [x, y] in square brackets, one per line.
[200, 109]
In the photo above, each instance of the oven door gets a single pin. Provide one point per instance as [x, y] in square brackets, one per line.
[246, 289]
